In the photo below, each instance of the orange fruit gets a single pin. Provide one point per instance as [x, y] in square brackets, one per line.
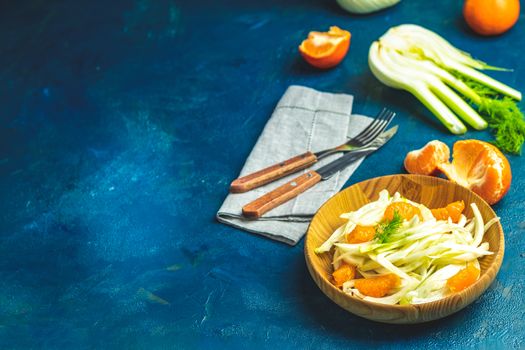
[452, 210]
[361, 234]
[377, 287]
[481, 167]
[343, 274]
[424, 161]
[464, 278]
[406, 210]
[325, 49]
[491, 17]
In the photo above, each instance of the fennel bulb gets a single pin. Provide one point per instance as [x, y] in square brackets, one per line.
[365, 6]
[449, 83]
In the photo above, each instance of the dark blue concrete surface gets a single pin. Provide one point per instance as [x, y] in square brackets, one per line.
[121, 125]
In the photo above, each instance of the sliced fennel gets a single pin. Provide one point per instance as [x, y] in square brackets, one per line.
[424, 254]
[448, 82]
[366, 6]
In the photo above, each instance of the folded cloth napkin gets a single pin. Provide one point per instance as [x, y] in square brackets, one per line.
[304, 120]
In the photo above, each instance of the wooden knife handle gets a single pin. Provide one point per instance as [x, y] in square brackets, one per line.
[280, 195]
[271, 173]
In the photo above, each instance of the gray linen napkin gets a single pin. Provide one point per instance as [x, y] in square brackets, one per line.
[304, 120]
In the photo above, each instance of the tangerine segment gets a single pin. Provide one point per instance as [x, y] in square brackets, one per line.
[325, 49]
[406, 210]
[361, 234]
[452, 210]
[463, 278]
[480, 167]
[491, 17]
[425, 161]
[344, 273]
[377, 287]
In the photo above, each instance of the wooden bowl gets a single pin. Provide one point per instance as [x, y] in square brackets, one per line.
[434, 193]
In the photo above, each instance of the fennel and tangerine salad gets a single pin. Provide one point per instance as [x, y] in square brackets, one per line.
[396, 251]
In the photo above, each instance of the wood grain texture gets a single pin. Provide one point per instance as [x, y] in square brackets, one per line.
[280, 195]
[272, 173]
[430, 191]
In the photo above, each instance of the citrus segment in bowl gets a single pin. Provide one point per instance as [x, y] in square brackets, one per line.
[361, 234]
[378, 286]
[406, 210]
[464, 278]
[452, 211]
[344, 273]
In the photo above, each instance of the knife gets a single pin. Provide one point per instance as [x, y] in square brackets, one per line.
[293, 188]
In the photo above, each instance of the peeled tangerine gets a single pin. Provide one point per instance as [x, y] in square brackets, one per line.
[476, 165]
[325, 49]
[481, 167]
[425, 161]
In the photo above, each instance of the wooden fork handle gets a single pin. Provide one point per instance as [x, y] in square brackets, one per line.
[272, 173]
[280, 195]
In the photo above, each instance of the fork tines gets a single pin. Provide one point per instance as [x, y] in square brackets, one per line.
[376, 127]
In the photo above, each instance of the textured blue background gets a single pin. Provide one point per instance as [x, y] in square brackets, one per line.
[122, 124]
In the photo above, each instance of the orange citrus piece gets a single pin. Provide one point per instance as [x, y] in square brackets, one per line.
[452, 210]
[344, 273]
[361, 234]
[491, 17]
[481, 167]
[424, 161]
[377, 287]
[406, 210]
[325, 49]
[464, 278]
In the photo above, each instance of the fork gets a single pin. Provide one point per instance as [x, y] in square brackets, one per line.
[277, 171]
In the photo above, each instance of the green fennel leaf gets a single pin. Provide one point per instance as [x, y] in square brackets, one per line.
[388, 227]
[503, 116]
